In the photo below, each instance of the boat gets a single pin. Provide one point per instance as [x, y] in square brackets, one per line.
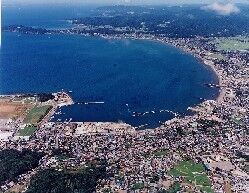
[88, 103]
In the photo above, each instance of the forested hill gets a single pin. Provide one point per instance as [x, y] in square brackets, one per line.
[14, 163]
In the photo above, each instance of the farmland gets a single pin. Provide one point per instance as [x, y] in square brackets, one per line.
[36, 114]
[27, 131]
[13, 110]
[232, 43]
[193, 174]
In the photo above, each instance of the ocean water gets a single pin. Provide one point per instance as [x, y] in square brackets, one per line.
[43, 15]
[127, 75]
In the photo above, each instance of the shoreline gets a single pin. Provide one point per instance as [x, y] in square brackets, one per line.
[221, 83]
[173, 43]
[220, 97]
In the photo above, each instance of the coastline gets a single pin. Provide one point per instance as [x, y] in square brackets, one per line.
[199, 108]
[221, 83]
[222, 90]
[170, 42]
[221, 95]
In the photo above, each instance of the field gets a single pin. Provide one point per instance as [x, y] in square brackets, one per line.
[27, 131]
[36, 114]
[13, 110]
[194, 174]
[138, 186]
[232, 43]
[160, 153]
[176, 187]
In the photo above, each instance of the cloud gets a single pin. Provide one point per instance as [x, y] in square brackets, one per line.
[222, 8]
[126, 1]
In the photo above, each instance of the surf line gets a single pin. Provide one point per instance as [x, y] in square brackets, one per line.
[137, 114]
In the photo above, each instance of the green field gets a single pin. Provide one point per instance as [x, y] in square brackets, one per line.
[27, 131]
[160, 153]
[237, 120]
[194, 174]
[232, 43]
[36, 114]
[138, 186]
[108, 190]
[246, 168]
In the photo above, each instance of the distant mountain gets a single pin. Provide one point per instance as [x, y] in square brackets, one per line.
[173, 21]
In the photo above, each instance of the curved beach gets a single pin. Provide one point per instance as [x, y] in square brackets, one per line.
[148, 76]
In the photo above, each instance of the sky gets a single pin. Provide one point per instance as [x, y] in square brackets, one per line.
[121, 1]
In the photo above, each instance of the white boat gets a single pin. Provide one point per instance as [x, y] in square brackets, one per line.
[87, 103]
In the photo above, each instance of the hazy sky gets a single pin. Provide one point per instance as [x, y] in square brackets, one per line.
[120, 1]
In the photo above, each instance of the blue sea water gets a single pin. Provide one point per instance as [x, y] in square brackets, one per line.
[127, 75]
[43, 15]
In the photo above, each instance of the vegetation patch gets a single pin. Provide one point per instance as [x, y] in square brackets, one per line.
[14, 163]
[138, 186]
[27, 131]
[36, 114]
[160, 153]
[246, 168]
[193, 174]
[107, 190]
[83, 180]
[174, 188]
[238, 121]
[232, 43]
